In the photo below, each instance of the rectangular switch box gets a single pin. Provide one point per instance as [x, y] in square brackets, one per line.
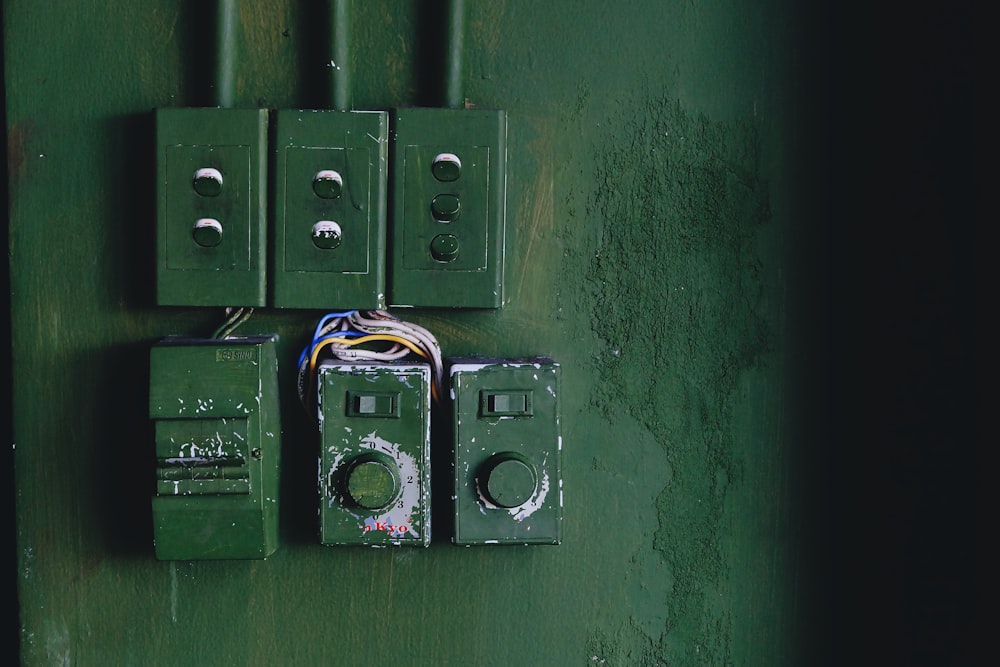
[214, 404]
[330, 182]
[507, 449]
[211, 169]
[449, 208]
[374, 477]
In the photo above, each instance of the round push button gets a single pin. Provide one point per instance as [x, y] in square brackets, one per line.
[328, 184]
[508, 480]
[372, 482]
[445, 207]
[207, 232]
[208, 182]
[444, 247]
[446, 167]
[326, 235]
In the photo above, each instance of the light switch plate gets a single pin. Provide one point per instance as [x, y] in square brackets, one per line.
[449, 208]
[507, 451]
[211, 207]
[214, 404]
[374, 475]
[330, 209]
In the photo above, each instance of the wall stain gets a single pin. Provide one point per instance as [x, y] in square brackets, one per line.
[678, 302]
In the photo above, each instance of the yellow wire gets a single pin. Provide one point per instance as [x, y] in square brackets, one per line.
[357, 341]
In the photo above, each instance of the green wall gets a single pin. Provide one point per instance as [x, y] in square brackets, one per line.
[651, 198]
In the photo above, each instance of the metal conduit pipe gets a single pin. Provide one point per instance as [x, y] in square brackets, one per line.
[227, 20]
[340, 55]
[454, 97]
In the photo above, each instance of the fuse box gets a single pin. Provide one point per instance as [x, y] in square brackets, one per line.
[330, 184]
[507, 449]
[374, 471]
[211, 182]
[214, 404]
[448, 212]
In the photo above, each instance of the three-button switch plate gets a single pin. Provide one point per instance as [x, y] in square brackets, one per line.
[374, 475]
[448, 215]
[507, 448]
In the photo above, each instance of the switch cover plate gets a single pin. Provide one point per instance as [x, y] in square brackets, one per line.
[374, 476]
[211, 207]
[214, 404]
[448, 209]
[330, 209]
[507, 451]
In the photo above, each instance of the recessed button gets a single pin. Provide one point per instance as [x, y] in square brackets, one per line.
[207, 232]
[508, 480]
[208, 182]
[326, 235]
[446, 167]
[328, 184]
[444, 247]
[446, 207]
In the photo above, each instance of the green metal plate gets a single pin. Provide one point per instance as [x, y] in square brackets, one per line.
[231, 270]
[448, 213]
[374, 478]
[341, 263]
[215, 409]
[507, 449]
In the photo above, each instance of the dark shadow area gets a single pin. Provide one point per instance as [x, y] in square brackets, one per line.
[6, 371]
[431, 51]
[315, 76]
[886, 339]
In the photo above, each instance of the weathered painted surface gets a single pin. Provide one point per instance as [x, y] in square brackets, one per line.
[649, 193]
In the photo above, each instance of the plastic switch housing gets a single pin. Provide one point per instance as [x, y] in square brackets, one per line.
[448, 212]
[507, 450]
[211, 207]
[214, 404]
[374, 474]
[331, 175]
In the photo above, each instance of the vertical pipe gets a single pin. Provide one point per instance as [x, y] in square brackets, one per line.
[340, 55]
[454, 31]
[226, 52]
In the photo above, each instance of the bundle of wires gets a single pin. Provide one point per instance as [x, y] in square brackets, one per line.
[367, 335]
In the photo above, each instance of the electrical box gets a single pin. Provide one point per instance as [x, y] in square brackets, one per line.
[448, 212]
[507, 449]
[374, 477]
[331, 176]
[211, 207]
[214, 404]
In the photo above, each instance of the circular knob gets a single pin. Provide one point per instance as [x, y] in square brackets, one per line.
[444, 247]
[445, 207]
[208, 182]
[372, 482]
[508, 479]
[326, 234]
[328, 184]
[446, 167]
[207, 232]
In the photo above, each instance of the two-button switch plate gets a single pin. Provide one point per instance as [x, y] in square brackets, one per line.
[507, 448]
[330, 208]
[374, 468]
[211, 207]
